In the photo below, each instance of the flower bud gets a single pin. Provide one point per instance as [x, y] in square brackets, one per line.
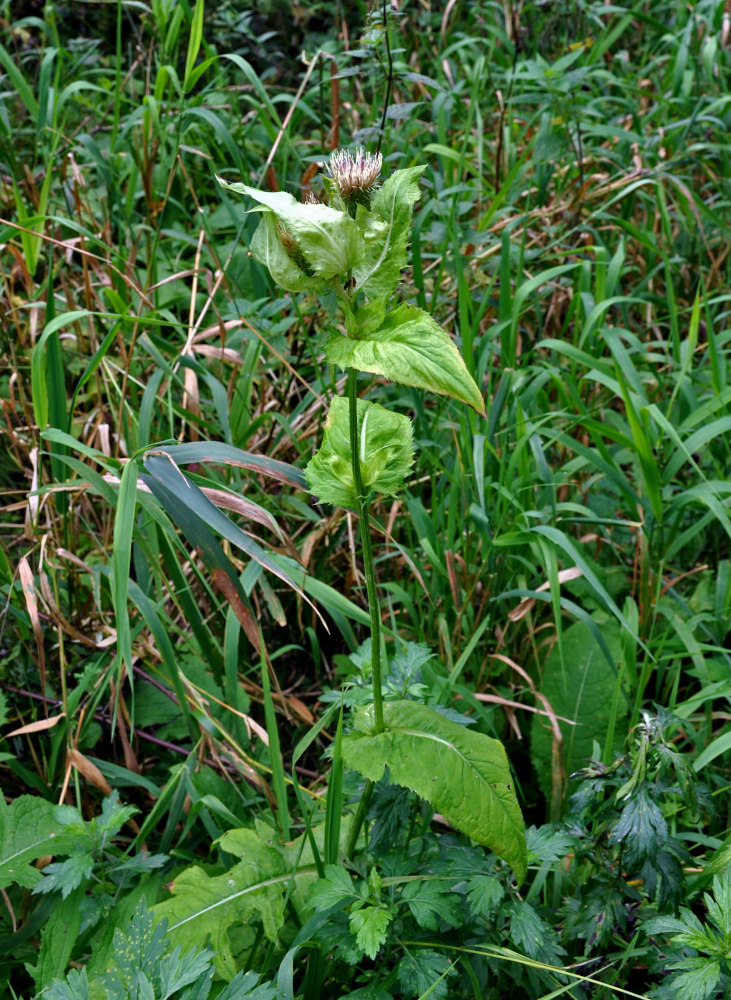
[292, 249]
[355, 175]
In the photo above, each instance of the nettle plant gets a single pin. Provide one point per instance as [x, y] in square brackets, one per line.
[357, 246]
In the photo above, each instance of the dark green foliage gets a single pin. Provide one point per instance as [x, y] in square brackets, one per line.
[697, 952]
[145, 965]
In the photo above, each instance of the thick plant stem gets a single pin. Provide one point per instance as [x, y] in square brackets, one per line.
[367, 548]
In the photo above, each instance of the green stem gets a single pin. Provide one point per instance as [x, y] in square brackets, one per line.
[367, 548]
[365, 801]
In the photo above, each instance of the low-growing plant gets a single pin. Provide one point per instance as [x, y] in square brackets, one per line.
[143, 964]
[694, 953]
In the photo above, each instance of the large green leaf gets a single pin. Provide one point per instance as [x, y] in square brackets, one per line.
[29, 829]
[581, 688]
[204, 907]
[386, 453]
[330, 242]
[411, 348]
[386, 230]
[463, 774]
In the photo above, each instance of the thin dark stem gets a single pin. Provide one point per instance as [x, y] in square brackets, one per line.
[100, 718]
[389, 83]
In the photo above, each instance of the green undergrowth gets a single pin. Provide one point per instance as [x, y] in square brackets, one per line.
[195, 801]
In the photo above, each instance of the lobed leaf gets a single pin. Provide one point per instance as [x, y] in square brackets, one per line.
[370, 926]
[422, 972]
[641, 829]
[203, 907]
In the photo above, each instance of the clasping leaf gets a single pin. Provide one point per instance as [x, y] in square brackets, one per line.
[386, 230]
[319, 242]
[411, 348]
[463, 774]
[385, 450]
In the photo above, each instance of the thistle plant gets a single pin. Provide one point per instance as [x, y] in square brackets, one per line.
[356, 247]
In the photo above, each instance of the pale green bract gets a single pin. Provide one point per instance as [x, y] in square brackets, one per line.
[331, 243]
[386, 231]
[268, 250]
[463, 774]
[370, 248]
[408, 347]
[386, 453]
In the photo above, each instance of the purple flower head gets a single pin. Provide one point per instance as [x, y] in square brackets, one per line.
[355, 174]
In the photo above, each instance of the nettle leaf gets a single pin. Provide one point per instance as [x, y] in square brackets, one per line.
[548, 843]
[673, 925]
[427, 902]
[662, 874]
[386, 453]
[719, 909]
[699, 982]
[75, 987]
[331, 243]
[337, 887]
[532, 935]
[245, 986]
[485, 893]
[405, 678]
[29, 829]
[370, 926]
[463, 774]
[386, 235]
[113, 817]
[66, 875]
[371, 992]
[177, 970]
[412, 349]
[641, 829]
